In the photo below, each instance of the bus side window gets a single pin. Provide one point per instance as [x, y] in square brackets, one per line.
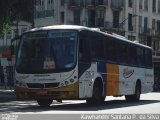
[140, 55]
[122, 53]
[111, 50]
[84, 48]
[148, 58]
[132, 56]
[97, 42]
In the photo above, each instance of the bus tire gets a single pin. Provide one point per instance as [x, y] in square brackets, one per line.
[136, 96]
[44, 102]
[97, 97]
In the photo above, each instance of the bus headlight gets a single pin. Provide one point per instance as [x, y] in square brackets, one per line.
[71, 80]
[20, 84]
[66, 82]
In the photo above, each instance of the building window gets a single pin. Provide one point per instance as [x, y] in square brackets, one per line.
[158, 6]
[158, 26]
[40, 5]
[62, 17]
[146, 5]
[76, 17]
[50, 5]
[155, 45]
[140, 4]
[91, 18]
[115, 19]
[145, 23]
[100, 18]
[140, 22]
[154, 6]
[153, 24]
[130, 3]
[130, 26]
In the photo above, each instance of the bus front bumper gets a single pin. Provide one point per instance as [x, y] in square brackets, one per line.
[63, 93]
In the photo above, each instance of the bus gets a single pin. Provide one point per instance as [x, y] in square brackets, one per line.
[68, 62]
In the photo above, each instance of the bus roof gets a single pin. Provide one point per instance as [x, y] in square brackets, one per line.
[80, 28]
[122, 38]
[76, 27]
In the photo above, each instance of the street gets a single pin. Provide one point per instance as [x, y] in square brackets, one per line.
[150, 103]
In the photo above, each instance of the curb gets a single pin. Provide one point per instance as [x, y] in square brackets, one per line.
[6, 99]
[7, 95]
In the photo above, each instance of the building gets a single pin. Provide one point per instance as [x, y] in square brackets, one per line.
[134, 19]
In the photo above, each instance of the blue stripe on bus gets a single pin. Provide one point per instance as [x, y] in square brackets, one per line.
[101, 68]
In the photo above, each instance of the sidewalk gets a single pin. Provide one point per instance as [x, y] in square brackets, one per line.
[6, 94]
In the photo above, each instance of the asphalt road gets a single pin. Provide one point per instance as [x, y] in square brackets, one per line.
[149, 104]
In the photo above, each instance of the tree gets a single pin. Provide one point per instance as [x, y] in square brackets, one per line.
[4, 16]
[13, 10]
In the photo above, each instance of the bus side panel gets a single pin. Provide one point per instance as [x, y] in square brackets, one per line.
[86, 81]
[112, 84]
[128, 77]
[148, 82]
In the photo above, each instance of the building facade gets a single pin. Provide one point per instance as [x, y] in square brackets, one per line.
[134, 19]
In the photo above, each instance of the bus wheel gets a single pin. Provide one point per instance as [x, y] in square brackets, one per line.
[44, 102]
[136, 96]
[97, 97]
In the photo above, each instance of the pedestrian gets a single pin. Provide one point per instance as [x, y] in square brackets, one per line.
[5, 76]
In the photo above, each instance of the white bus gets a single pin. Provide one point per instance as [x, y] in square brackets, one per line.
[68, 62]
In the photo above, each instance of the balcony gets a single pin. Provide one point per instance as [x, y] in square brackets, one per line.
[145, 31]
[92, 4]
[111, 25]
[117, 4]
[76, 4]
[43, 14]
[114, 27]
[102, 4]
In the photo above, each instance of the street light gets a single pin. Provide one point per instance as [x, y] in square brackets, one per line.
[121, 24]
[126, 20]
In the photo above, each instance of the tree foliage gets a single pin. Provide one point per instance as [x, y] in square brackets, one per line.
[12, 10]
[4, 15]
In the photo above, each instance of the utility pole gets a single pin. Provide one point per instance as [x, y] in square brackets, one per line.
[33, 12]
[122, 23]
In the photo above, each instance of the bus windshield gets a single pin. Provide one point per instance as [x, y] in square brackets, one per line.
[47, 51]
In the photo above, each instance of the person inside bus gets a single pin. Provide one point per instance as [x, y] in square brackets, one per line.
[49, 55]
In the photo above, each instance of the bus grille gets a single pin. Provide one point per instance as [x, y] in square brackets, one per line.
[42, 85]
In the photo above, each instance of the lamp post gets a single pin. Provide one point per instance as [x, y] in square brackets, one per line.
[126, 20]
[120, 24]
